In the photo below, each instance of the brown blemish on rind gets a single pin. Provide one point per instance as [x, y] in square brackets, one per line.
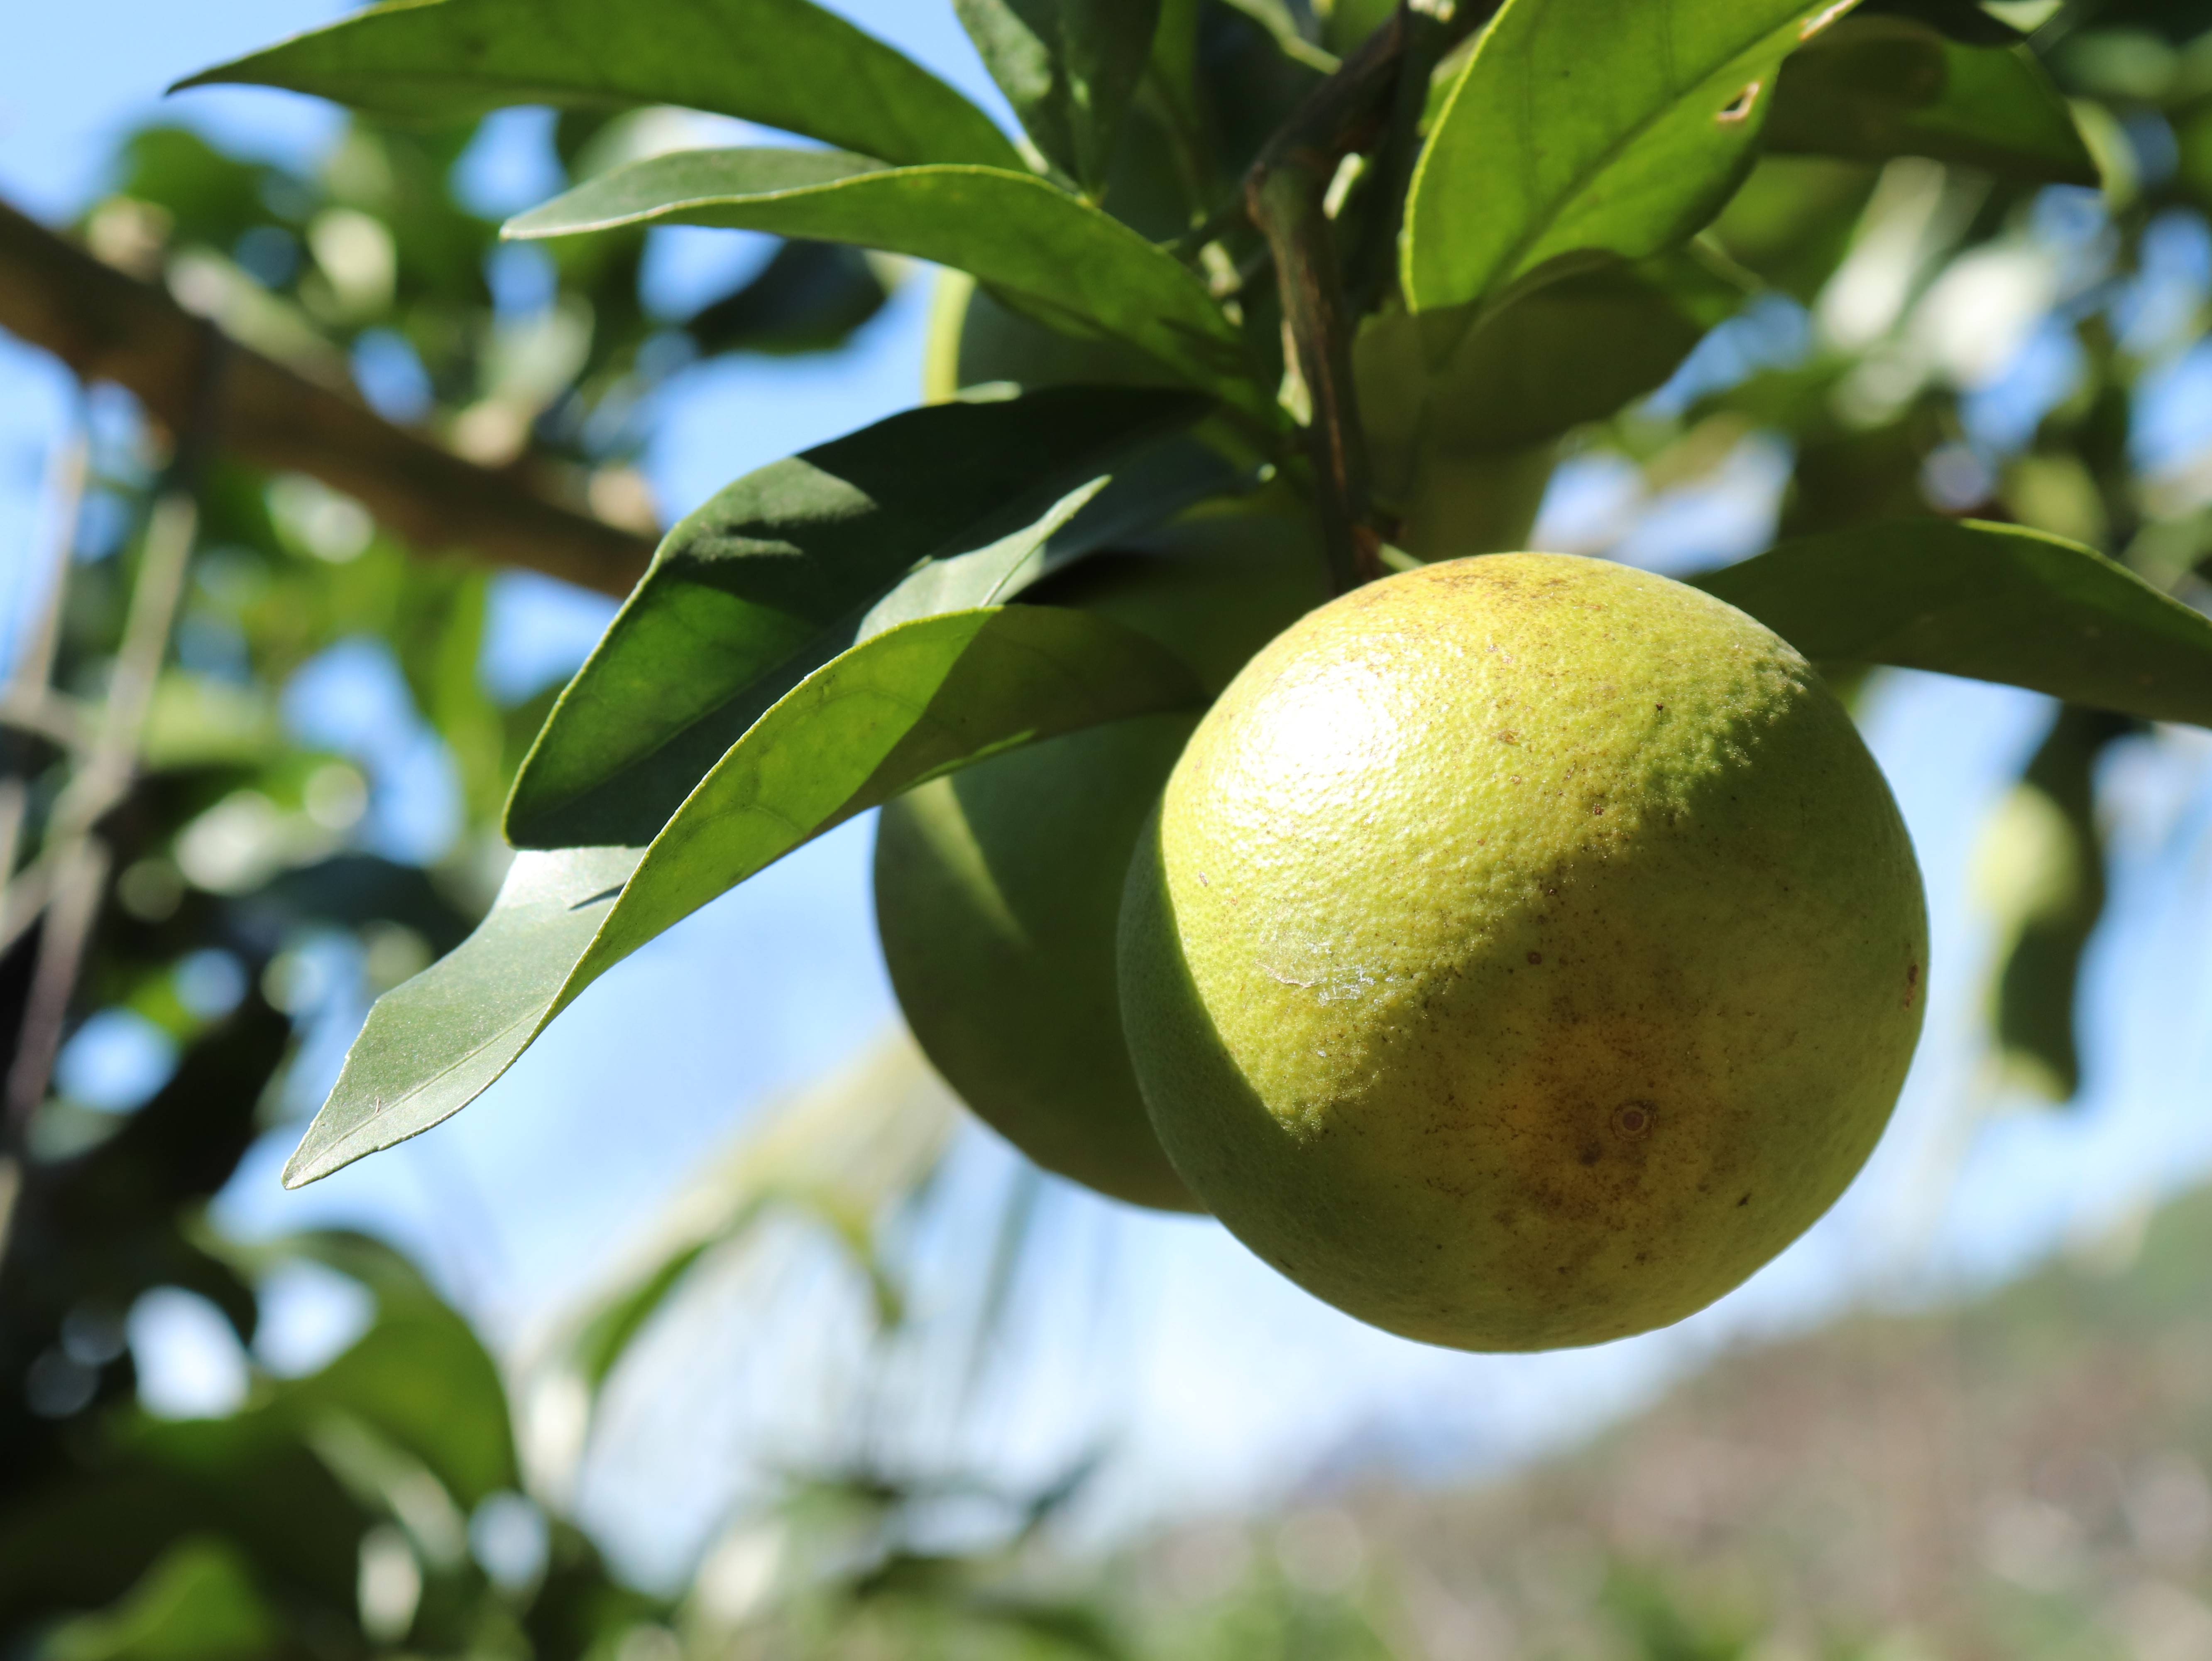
[1632, 1120]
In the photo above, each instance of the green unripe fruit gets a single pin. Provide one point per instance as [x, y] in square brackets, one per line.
[974, 341]
[997, 888]
[996, 894]
[1526, 949]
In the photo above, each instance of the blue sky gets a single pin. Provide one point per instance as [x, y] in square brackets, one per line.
[1215, 1382]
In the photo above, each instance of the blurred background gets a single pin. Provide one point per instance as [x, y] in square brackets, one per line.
[744, 1340]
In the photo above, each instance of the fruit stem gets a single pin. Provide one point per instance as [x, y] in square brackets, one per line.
[1285, 202]
[1375, 96]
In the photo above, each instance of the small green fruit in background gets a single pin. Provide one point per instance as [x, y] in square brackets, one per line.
[1526, 949]
[997, 888]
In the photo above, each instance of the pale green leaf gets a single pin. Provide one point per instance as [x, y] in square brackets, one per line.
[432, 1045]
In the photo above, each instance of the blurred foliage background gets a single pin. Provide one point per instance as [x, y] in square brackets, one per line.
[2025, 1476]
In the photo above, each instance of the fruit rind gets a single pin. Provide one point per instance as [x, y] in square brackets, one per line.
[1526, 949]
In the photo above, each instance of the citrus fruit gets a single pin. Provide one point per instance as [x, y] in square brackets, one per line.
[1526, 949]
[997, 888]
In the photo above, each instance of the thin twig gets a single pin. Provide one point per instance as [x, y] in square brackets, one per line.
[24, 898]
[81, 855]
[28, 697]
[1284, 193]
[1286, 205]
[72, 909]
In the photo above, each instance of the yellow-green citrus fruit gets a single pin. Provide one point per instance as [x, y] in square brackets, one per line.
[1526, 949]
[997, 888]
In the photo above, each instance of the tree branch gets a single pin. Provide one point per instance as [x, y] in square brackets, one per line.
[1371, 99]
[107, 326]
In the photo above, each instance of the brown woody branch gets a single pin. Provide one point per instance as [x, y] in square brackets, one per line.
[107, 326]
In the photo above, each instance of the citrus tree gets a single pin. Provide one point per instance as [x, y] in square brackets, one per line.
[1251, 301]
[1269, 303]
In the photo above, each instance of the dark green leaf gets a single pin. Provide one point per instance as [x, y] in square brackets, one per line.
[1959, 19]
[774, 576]
[809, 297]
[1992, 602]
[1568, 352]
[1618, 125]
[1461, 448]
[1069, 68]
[199, 1603]
[916, 700]
[1873, 88]
[1039, 247]
[1791, 221]
[2045, 862]
[1276, 17]
[784, 63]
[419, 1377]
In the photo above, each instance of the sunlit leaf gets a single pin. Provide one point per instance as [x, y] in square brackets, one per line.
[433, 1044]
[1038, 247]
[1991, 602]
[791, 565]
[784, 63]
[1873, 88]
[1069, 68]
[917, 699]
[1613, 125]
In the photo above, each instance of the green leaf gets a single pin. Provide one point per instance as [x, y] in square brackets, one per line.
[1461, 448]
[773, 576]
[1959, 19]
[432, 1045]
[1040, 248]
[419, 1378]
[1069, 68]
[1991, 602]
[808, 298]
[197, 1602]
[1275, 17]
[921, 698]
[1546, 360]
[784, 63]
[917, 700]
[1615, 125]
[1873, 88]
